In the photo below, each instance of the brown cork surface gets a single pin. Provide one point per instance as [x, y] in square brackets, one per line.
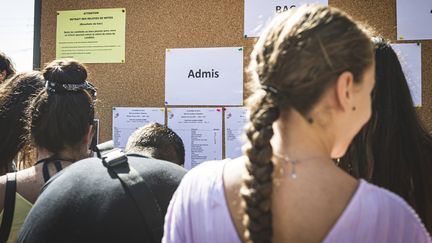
[153, 26]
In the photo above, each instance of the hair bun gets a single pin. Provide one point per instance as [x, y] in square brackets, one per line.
[65, 71]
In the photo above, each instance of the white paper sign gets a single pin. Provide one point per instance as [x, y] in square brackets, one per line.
[204, 76]
[414, 18]
[259, 13]
[235, 121]
[201, 132]
[410, 58]
[127, 119]
[16, 32]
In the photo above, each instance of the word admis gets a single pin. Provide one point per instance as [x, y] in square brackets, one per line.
[203, 74]
[280, 9]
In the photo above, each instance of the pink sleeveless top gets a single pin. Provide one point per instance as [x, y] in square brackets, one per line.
[198, 213]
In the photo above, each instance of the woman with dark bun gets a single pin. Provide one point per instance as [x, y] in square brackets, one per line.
[313, 73]
[60, 122]
[394, 150]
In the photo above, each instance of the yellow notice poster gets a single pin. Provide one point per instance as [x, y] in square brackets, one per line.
[92, 35]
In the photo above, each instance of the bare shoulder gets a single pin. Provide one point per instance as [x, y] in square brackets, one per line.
[29, 183]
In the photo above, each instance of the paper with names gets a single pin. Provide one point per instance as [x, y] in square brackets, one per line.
[127, 119]
[235, 121]
[414, 18]
[410, 59]
[259, 13]
[204, 76]
[201, 132]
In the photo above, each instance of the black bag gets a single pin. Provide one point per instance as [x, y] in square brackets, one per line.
[8, 208]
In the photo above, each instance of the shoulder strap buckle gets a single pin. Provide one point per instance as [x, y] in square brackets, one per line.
[115, 158]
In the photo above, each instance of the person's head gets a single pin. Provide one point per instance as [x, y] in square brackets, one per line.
[157, 141]
[60, 118]
[312, 62]
[6, 67]
[393, 149]
[15, 96]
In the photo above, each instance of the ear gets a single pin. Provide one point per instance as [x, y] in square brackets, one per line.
[88, 137]
[344, 89]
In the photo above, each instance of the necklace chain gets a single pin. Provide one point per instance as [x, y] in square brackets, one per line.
[294, 162]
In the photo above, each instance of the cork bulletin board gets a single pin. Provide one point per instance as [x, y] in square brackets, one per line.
[153, 26]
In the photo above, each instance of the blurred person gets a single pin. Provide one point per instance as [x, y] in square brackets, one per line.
[15, 95]
[157, 141]
[122, 198]
[6, 67]
[394, 150]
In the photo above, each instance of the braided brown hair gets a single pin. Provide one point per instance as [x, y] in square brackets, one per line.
[299, 56]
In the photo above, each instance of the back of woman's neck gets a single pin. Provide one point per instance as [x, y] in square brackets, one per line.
[294, 137]
[62, 155]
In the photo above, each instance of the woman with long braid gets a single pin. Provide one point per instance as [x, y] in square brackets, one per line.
[312, 77]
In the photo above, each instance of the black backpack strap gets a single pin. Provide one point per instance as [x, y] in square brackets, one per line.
[136, 186]
[8, 208]
[45, 172]
[58, 165]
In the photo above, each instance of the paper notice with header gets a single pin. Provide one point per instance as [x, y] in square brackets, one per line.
[414, 18]
[92, 35]
[204, 76]
[127, 119]
[259, 13]
[410, 58]
[201, 132]
[235, 121]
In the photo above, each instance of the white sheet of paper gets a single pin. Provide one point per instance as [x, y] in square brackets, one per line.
[235, 121]
[204, 76]
[410, 58]
[16, 31]
[201, 132]
[259, 13]
[414, 18]
[127, 119]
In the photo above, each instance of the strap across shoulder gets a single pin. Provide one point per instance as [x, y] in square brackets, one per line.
[9, 207]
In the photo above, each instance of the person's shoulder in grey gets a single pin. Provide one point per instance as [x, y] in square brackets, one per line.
[157, 141]
[88, 203]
